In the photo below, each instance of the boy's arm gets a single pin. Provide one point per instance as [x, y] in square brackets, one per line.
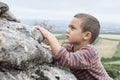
[81, 59]
[54, 44]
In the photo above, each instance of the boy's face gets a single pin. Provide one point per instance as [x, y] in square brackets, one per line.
[74, 34]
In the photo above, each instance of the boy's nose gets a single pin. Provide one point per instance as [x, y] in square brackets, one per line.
[68, 30]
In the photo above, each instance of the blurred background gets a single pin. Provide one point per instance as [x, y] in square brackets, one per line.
[55, 15]
[60, 12]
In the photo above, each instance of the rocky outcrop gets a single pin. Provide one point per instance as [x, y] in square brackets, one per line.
[6, 14]
[21, 55]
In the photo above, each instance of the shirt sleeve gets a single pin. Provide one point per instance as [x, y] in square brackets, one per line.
[68, 47]
[80, 59]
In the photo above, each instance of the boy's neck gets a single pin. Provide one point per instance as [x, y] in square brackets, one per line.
[78, 46]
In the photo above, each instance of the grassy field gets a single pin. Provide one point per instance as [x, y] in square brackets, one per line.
[58, 35]
[113, 62]
[110, 36]
[106, 47]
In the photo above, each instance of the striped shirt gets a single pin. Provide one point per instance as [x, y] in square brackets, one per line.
[84, 63]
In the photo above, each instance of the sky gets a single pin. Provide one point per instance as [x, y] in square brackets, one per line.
[103, 10]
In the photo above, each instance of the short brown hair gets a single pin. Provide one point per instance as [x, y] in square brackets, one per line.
[89, 23]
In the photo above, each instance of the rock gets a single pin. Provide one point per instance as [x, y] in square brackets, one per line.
[6, 14]
[19, 45]
[22, 56]
[43, 72]
[3, 8]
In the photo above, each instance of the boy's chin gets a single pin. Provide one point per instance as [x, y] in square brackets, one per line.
[67, 41]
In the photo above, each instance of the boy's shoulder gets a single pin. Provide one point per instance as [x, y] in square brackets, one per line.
[91, 48]
[68, 47]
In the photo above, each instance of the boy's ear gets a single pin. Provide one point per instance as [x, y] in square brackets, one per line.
[87, 35]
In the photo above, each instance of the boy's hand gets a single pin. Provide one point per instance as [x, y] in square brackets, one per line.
[43, 31]
[45, 34]
[51, 39]
[47, 47]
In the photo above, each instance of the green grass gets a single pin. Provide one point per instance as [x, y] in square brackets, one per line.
[112, 62]
[113, 70]
[117, 53]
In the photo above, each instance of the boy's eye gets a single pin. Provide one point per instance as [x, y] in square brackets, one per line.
[72, 27]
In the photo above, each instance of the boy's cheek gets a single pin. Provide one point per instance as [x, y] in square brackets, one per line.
[74, 37]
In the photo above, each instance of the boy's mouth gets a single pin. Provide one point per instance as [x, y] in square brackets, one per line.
[67, 36]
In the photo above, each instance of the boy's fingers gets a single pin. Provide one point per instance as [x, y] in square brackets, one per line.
[40, 28]
[37, 27]
[46, 46]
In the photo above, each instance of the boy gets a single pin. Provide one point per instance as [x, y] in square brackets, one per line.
[79, 54]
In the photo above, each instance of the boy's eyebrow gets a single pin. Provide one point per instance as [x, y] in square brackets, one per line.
[70, 25]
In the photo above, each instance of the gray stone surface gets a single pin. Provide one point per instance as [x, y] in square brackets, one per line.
[19, 45]
[6, 14]
[22, 56]
[3, 8]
